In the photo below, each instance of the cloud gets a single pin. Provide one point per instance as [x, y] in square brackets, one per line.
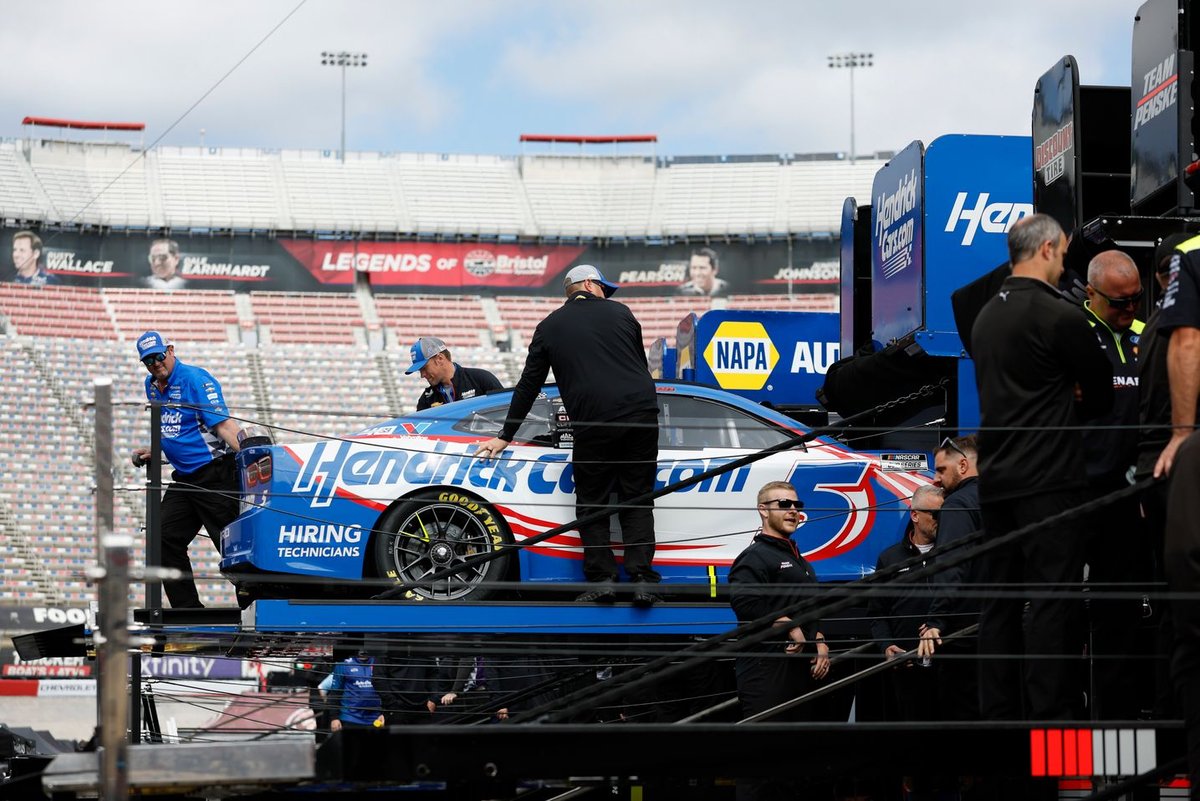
[707, 76]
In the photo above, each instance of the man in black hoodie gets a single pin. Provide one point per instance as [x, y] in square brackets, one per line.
[953, 607]
[896, 617]
[595, 348]
[1040, 372]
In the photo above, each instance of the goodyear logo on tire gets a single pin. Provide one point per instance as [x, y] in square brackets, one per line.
[741, 355]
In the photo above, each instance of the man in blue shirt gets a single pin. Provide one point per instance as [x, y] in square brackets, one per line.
[360, 704]
[199, 440]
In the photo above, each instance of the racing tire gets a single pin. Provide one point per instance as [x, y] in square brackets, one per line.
[438, 530]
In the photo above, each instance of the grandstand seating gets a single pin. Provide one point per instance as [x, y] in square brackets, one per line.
[235, 189]
[463, 195]
[183, 315]
[20, 200]
[715, 198]
[359, 194]
[459, 321]
[309, 317]
[589, 197]
[55, 311]
[422, 193]
[324, 391]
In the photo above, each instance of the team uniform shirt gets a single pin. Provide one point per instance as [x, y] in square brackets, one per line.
[1181, 303]
[1154, 391]
[595, 348]
[468, 382]
[774, 561]
[360, 700]
[188, 441]
[1111, 448]
[1032, 347]
[960, 517]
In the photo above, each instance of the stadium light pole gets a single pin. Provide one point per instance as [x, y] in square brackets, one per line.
[342, 59]
[851, 61]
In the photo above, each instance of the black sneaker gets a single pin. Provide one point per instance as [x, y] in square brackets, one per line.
[642, 597]
[601, 595]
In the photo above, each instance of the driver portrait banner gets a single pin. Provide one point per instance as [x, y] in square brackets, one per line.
[243, 263]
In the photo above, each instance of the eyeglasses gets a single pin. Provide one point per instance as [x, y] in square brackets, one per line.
[948, 445]
[785, 503]
[154, 358]
[1121, 303]
[159, 257]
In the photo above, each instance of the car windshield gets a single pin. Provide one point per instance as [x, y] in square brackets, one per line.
[489, 421]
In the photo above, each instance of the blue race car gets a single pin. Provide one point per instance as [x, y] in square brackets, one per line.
[406, 499]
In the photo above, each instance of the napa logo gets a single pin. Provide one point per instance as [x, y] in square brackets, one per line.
[741, 355]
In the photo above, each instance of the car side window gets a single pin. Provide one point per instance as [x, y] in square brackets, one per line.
[489, 421]
[686, 422]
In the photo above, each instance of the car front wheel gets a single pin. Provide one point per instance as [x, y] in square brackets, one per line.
[436, 532]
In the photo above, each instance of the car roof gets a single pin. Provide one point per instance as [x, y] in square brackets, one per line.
[440, 420]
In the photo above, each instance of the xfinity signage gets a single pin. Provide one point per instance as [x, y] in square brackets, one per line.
[976, 189]
[897, 252]
[780, 357]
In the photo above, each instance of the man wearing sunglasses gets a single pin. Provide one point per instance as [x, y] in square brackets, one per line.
[897, 616]
[951, 608]
[770, 575]
[1116, 553]
[199, 440]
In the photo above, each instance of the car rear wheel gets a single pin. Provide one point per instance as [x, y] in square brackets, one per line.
[439, 531]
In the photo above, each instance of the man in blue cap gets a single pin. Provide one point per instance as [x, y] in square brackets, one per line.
[199, 440]
[595, 349]
[448, 380]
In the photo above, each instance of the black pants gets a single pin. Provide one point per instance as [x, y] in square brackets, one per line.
[1182, 563]
[1119, 563]
[208, 498]
[619, 457]
[762, 683]
[1052, 639]
[957, 666]
[1154, 508]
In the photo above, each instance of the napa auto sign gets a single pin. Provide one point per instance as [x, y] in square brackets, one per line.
[777, 356]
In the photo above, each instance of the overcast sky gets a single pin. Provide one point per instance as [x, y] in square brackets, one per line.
[471, 76]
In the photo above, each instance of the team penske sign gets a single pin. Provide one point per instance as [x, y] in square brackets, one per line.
[741, 355]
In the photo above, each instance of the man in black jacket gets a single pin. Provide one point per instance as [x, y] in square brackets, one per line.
[768, 576]
[952, 607]
[595, 348]
[448, 381]
[896, 617]
[1040, 371]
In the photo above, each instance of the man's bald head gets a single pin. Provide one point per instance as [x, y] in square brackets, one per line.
[1114, 289]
